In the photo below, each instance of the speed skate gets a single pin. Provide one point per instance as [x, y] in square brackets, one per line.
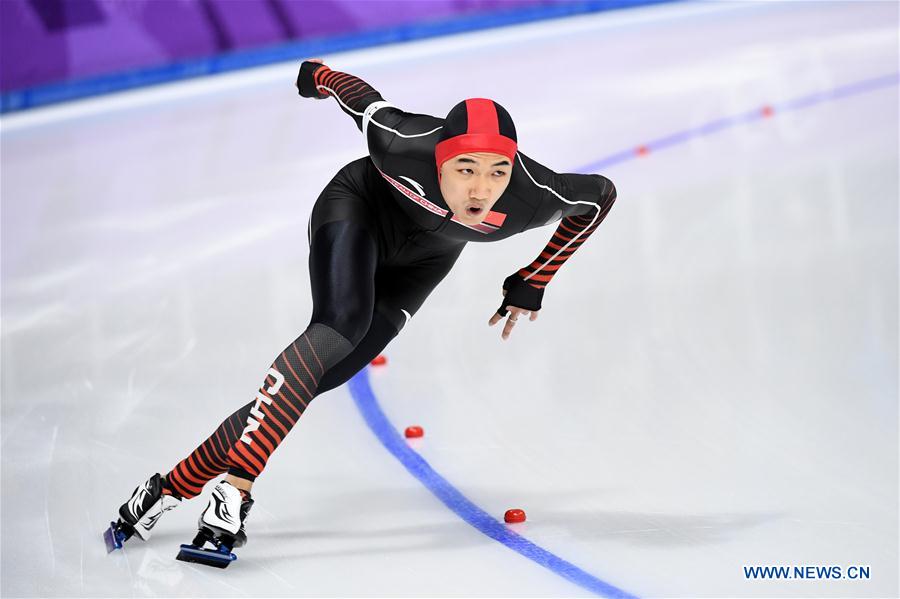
[222, 526]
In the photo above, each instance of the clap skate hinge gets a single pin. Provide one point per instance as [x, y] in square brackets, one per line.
[219, 557]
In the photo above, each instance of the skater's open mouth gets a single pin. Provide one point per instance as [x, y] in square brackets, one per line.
[474, 210]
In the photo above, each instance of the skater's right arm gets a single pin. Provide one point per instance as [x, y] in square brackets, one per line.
[355, 97]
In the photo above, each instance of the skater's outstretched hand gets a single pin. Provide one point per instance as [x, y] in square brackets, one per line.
[511, 318]
[519, 297]
[305, 83]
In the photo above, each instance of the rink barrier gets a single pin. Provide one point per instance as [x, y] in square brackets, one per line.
[52, 93]
[390, 438]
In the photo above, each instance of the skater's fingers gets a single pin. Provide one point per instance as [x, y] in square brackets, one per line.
[514, 314]
[534, 316]
[494, 319]
[508, 327]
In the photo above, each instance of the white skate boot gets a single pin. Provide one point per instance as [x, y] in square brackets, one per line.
[141, 512]
[222, 525]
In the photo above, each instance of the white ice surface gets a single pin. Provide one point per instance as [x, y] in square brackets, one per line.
[712, 382]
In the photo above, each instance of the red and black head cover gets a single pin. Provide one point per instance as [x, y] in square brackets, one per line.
[476, 125]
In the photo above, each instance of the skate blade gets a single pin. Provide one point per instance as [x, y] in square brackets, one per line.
[207, 557]
[113, 538]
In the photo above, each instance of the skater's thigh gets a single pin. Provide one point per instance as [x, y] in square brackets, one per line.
[345, 198]
[343, 257]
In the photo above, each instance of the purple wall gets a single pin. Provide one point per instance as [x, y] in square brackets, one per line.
[45, 41]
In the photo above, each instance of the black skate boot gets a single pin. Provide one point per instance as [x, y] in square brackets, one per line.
[140, 514]
[222, 526]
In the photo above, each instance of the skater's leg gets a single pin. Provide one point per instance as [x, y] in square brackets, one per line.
[344, 253]
[343, 258]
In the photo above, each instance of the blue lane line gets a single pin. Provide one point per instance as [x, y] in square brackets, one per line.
[679, 137]
[456, 501]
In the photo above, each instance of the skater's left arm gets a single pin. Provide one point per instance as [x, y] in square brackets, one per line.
[584, 201]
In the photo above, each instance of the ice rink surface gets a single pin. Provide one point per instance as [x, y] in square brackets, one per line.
[712, 382]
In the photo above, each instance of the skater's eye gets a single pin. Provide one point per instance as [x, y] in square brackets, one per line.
[466, 171]
[500, 173]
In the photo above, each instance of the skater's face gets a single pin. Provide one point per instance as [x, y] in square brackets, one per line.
[472, 183]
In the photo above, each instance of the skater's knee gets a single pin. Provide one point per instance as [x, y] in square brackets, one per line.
[327, 345]
[377, 337]
[351, 322]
